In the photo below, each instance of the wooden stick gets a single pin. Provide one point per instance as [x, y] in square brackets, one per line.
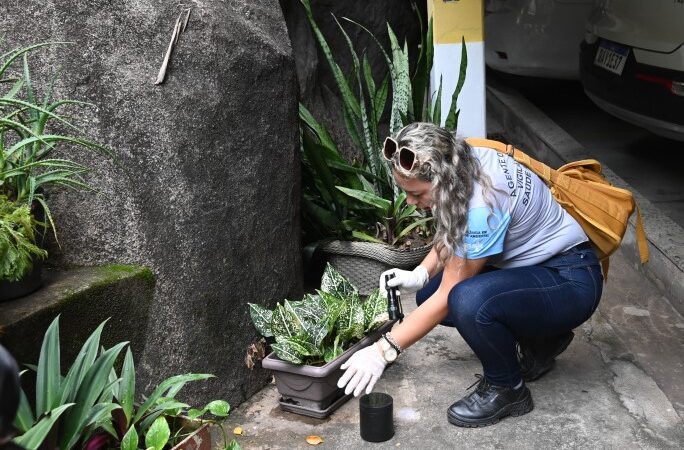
[178, 28]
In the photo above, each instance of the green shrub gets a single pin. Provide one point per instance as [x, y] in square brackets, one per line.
[94, 407]
[28, 137]
[359, 200]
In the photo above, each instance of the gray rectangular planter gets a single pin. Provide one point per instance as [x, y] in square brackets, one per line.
[312, 390]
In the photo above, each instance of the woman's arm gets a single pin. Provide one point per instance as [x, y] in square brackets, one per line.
[435, 309]
[431, 262]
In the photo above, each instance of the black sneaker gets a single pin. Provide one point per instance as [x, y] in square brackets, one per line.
[488, 404]
[537, 355]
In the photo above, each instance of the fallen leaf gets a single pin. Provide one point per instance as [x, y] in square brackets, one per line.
[256, 351]
[237, 430]
[314, 440]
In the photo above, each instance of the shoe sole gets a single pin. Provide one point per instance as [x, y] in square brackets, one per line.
[516, 409]
[537, 374]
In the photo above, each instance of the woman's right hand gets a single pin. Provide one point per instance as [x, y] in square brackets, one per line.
[408, 281]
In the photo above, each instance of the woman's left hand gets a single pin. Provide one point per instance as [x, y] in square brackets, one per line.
[363, 370]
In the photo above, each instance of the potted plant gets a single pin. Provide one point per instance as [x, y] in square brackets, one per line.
[311, 338]
[354, 212]
[93, 407]
[18, 249]
[28, 145]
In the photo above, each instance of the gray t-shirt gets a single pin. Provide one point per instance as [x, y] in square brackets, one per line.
[518, 223]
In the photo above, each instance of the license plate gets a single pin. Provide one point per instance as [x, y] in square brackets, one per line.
[611, 57]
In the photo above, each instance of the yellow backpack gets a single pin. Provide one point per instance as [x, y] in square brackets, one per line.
[601, 209]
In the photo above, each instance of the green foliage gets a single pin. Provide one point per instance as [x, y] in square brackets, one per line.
[318, 328]
[94, 407]
[17, 240]
[28, 141]
[360, 200]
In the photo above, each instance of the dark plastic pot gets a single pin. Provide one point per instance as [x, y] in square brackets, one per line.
[312, 390]
[32, 281]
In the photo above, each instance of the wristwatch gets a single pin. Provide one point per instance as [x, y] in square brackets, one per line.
[389, 353]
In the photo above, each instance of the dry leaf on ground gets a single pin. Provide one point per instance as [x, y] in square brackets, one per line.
[314, 440]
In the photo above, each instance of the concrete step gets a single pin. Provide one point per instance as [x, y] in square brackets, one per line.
[83, 297]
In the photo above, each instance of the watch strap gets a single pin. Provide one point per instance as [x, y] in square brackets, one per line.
[392, 342]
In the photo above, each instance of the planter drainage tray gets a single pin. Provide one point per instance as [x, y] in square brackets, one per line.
[313, 412]
[312, 390]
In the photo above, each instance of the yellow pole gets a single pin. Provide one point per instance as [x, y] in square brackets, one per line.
[452, 21]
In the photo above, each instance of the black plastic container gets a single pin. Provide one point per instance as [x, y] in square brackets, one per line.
[377, 417]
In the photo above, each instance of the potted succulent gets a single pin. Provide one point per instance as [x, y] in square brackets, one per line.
[93, 407]
[28, 164]
[353, 212]
[311, 339]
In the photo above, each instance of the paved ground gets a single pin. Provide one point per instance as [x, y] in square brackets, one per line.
[620, 384]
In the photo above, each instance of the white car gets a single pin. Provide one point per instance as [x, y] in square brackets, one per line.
[535, 37]
[632, 63]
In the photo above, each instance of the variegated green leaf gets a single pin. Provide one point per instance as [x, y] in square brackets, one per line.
[401, 83]
[350, 323]
[311, 308]
[284, 351]
[334, 306]
[314, 315]
[299, 344]
[309, 318]
[333, 351]
[282, 324]
[351, 103]
[261, 318]
[451, 122]
[334, 283]
[437, 111]
[374, 311]
[318, 332]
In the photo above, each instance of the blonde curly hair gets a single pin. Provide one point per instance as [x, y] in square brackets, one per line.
[447, 162]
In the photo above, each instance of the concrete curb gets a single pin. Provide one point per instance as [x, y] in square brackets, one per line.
[527, 127]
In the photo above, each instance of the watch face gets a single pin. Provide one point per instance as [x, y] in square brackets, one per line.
[390, 354]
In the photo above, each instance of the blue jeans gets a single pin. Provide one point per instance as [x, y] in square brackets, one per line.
[492, 309]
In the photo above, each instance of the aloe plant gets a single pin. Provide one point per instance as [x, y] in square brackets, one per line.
[94, 407]
[318, 328]
[28, 143]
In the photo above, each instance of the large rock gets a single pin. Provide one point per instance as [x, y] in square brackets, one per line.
[316, 83]
[206, 189]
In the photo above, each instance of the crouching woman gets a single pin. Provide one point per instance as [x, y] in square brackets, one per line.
[510, 269]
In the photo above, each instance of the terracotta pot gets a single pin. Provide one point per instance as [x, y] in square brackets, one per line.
[200, 439]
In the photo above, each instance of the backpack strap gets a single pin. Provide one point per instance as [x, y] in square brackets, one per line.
[552, 176]
[642, 242]
[549, 175]
[496, 145]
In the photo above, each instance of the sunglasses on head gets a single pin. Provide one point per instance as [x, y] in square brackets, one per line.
[407, 157]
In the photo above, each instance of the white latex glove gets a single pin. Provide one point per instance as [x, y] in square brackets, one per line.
[362, 370]
[408, 281]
